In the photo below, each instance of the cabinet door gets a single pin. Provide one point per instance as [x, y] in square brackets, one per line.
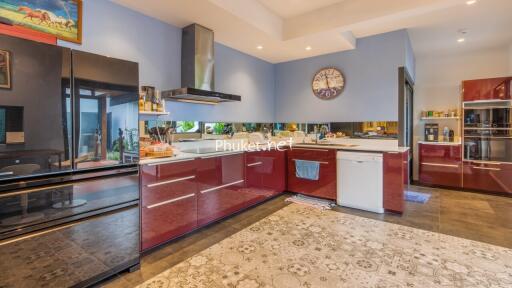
[325, 186]
[265, 173]
[487, 89]
[491, 177]
[169, 201]
[221, 183]
[441, 165]
[394, 182]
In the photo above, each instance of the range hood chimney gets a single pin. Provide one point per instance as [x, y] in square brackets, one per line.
[197, 69]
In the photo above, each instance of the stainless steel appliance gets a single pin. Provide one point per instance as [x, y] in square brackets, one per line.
[197, 69]
[488, 131]
[69, 188]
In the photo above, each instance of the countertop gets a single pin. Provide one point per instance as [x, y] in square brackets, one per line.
[439, 143]
[362, 145]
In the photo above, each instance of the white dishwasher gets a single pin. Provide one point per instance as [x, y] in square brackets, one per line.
[360, 180]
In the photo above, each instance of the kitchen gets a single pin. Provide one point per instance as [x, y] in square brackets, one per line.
[195, 196]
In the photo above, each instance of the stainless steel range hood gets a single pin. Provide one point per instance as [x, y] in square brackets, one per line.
[197, 69]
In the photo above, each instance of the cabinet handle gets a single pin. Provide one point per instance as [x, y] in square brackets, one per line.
[440, 165]
[487, 162]
[487, 168]
[169, 162]
[170, 201]
[170, 181]
[6, 173]
[220, 187]
[309, 149]
[321, 162]
[254, 164]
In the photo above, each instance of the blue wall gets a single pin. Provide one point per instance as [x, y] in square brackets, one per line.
[112, 30]
[371, 83]
[280, 92]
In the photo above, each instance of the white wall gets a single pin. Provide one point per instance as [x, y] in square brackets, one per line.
[438, 80]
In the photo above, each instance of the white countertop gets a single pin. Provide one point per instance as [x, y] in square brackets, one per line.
[363, 145]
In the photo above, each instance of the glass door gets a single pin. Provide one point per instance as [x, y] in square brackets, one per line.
[106, 111]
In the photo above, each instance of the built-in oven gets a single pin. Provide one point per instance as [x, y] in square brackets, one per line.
[488, 131]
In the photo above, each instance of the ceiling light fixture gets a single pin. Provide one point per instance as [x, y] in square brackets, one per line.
[460, 40]
[308, 48]
[470, 2]
[259, 47]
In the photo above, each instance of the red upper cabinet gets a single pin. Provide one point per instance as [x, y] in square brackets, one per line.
[325, 186]
[221, 183]
[168, 201]
[266, 172]
[395, 178]
[487, 89]
[440, 165]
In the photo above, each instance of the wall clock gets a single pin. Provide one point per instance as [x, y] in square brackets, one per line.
[328, 83]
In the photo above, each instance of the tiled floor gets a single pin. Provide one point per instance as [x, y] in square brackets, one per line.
[474, 216]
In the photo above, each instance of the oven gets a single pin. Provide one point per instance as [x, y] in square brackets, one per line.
[488, 131]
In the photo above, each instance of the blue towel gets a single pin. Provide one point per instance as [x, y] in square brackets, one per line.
[416, 197]
[309, 170]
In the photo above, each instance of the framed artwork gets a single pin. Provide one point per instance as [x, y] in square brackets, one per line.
[59, 18]
[5, 69]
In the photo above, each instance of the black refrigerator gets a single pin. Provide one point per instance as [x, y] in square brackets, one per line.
[69, 186]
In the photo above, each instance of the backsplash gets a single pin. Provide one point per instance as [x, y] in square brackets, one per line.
[171, 131]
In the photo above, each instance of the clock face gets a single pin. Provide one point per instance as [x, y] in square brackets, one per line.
[328, 83]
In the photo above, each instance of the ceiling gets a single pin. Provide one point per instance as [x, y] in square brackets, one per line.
[284, 28]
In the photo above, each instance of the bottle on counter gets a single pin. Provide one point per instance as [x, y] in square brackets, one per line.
[142, 100]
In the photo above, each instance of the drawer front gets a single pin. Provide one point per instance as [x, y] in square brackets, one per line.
[167, 190]
[441, 174]
[313, 154]
[488, 176]
[154, 173]
[169, 220]
[441, 154]
[325, 186]
[217, 203]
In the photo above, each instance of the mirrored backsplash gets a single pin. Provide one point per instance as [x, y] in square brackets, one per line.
[176, 131]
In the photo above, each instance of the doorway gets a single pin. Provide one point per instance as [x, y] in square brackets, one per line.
[406, 114]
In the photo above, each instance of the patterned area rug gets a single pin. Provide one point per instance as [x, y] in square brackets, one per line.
[301, 246]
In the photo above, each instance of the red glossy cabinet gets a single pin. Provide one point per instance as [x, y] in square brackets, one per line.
[169, 201]
[492, 177]
[325, 186]
[221, 185]
[395, 180]
[487, 89]
[440, 165]
[266, 172]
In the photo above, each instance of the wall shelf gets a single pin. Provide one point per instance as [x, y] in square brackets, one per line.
[440, 118]
[151, 113]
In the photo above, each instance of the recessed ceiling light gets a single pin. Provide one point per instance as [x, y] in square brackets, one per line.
[259, 47]
[460, 40]
[471, 2]
[308, 48]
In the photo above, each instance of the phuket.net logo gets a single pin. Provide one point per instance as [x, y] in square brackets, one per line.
[244, 145]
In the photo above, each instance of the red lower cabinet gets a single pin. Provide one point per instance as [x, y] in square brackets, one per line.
[325, 186]
[168, 201]
[221, 185]
[491, 177]
[265, 173]
[394, 180]
[440, 165]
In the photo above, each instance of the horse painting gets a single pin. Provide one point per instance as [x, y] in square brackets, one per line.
[59, 18]
[37, 14]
